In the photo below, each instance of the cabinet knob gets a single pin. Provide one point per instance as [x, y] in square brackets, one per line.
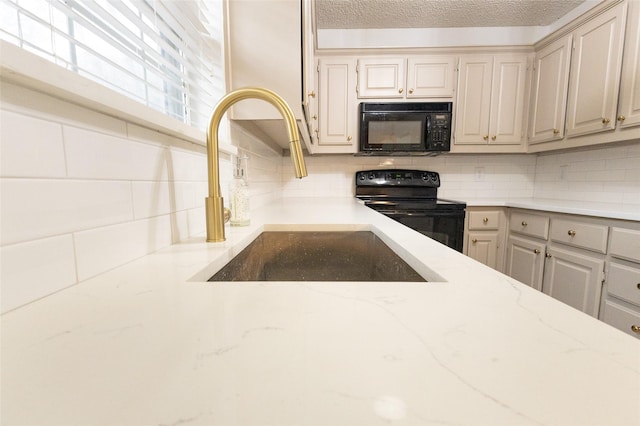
[410, 91]
[536, 251]
[485, 219]
[524, 223]
[621, 118]
[485, 137]
[493, 138]
[348, 138]
[547, 255]
[315, 116]
[571, 233]
[556, 131]
[400, 90]
[312, 94]
[605, 121]
[475, 240]
[638, 285]
[635, 328]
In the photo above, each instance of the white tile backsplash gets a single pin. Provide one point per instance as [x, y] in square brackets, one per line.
[40, 208]
[39, 151]
[35, 269]
[101, 249]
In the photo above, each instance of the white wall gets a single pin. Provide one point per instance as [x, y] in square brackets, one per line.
[83, 192]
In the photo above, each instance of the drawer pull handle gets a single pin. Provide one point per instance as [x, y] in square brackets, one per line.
[485, 219]
[536, 251]
[635, 328]
[475, 240]
[571, 233]
[524, 223]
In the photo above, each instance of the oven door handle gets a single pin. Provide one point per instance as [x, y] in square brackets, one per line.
[381, 203]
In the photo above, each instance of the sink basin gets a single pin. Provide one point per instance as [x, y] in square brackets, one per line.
[317, 256]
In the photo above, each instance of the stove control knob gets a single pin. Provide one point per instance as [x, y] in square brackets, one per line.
[362, 177]
[371, 176]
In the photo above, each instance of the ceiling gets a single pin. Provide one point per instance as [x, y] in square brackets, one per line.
[369, 14]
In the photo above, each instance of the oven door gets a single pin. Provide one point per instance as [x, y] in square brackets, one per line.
[443, 225]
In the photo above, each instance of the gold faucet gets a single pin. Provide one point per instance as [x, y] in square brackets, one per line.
[214, 205]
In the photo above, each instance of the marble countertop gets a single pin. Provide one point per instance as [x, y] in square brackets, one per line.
[586, 208]
[151, 343]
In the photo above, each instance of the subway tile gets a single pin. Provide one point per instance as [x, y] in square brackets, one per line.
[99, 156]
[101, 249]
[30, 102]
[30, 147]
[36, 269]
[193, 166]
[38, 208]
[150, 199]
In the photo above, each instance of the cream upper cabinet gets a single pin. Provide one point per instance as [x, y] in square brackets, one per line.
[629, 110]
[337, 115]
[549, 91]
[491, 93]
[430, 76]
[419, 76]
[381, 78]
[595, 73]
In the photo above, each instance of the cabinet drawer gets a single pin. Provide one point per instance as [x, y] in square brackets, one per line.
[484, 220]
[584, 235]
[623, 282]
[622, 318]
[530, 224]
[625, 243]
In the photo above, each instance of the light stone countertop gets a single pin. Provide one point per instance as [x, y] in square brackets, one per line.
[585, 208]
[149, 344]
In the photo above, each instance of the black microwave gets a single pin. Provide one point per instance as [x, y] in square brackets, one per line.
[405, 127]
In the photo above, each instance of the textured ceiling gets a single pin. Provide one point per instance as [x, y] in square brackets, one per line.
[352, 14]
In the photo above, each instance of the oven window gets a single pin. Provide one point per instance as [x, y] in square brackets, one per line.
[447, 229]
[395, 132]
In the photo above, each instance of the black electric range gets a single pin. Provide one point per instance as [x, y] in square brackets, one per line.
[411, 198]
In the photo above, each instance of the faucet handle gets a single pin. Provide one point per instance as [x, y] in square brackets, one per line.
[227, 215]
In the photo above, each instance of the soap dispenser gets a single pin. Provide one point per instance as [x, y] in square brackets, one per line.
[239, 194]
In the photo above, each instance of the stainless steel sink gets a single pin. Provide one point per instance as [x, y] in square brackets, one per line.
[317, 256]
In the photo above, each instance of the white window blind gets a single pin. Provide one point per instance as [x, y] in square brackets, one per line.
[166, 54]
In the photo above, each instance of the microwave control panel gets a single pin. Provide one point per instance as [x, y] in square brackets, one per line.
[439, 131]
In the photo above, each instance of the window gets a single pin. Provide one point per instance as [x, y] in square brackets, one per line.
[166, 54]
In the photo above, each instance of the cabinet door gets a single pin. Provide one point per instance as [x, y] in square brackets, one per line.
[507, 99]
[629, 112]
[525, 261]
[381, 78]
[474, 100]
[430, 76]
[483, 247]
[336, 114]
[595, 73]
[309, 73]
[549, 94]
[574, 278]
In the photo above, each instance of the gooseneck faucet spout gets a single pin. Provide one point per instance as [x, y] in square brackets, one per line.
[214, 205]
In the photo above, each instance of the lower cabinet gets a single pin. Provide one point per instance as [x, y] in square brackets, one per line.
[484, 235]
[589, 263]
[621, 302]
[525, 260]
[574, 278]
